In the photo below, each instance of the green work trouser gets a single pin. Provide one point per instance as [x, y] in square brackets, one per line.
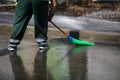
[24, 11]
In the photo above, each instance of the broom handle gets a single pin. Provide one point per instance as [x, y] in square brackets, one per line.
[58, 28]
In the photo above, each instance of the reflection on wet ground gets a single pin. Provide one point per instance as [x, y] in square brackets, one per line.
[63, 61]
[34, 64]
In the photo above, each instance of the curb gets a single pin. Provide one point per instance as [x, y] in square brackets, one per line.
[94, 36]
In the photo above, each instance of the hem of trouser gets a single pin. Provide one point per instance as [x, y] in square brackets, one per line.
[13, 43]
[40, 40]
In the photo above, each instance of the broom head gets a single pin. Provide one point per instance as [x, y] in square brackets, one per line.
[79, 42]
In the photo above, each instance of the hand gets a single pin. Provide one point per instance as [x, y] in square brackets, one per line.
[52, 10]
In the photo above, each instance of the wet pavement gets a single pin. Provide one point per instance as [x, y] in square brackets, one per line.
[63, 61]
[70, 22]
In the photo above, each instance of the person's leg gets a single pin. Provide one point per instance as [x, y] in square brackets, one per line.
[22, 17]
[40, 11]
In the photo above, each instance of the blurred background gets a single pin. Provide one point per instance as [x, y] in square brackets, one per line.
[78, 8]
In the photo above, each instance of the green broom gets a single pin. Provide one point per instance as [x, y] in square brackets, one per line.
[73, 40]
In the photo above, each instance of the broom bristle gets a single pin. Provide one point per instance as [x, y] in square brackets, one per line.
[80, 42]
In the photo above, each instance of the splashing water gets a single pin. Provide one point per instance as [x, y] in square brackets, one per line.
[82, 23]
[67, 22]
